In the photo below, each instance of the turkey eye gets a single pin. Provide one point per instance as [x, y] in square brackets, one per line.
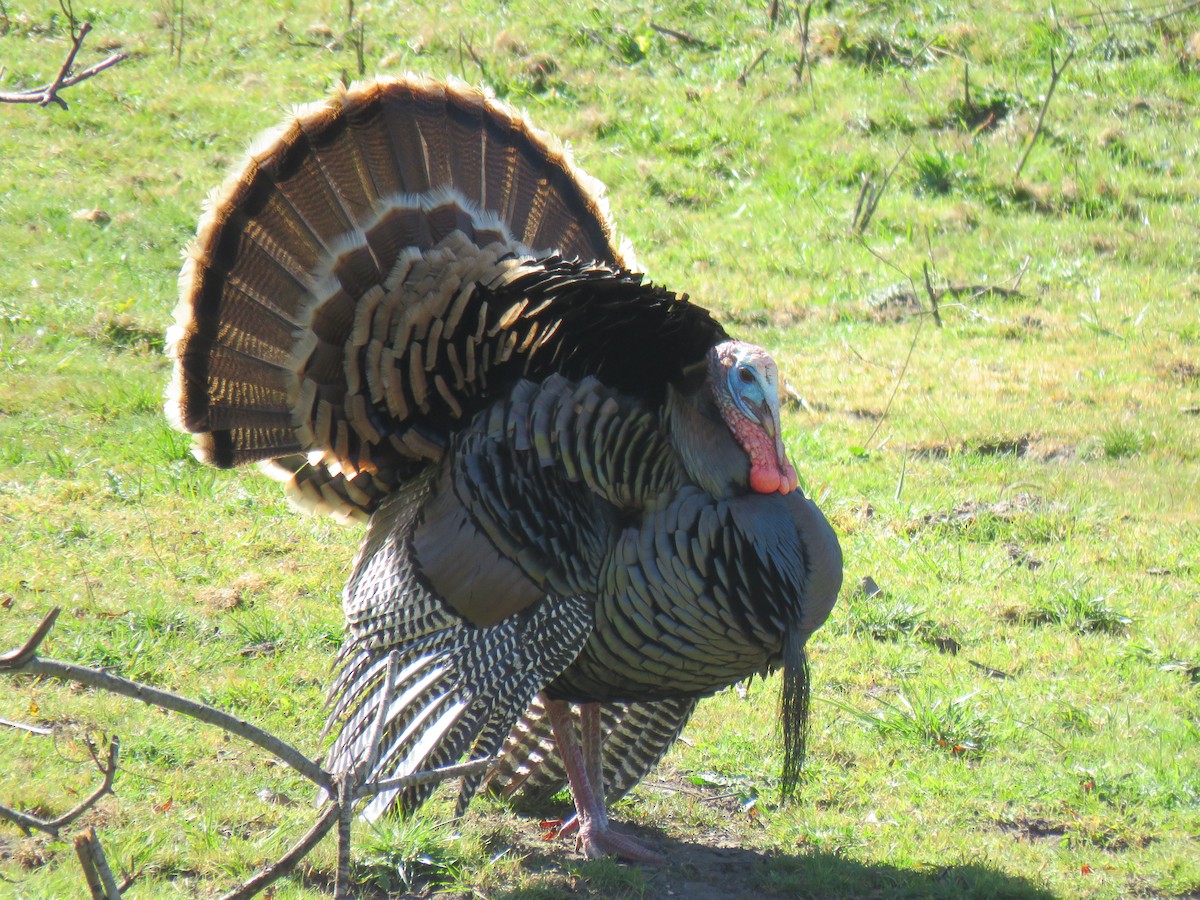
[746, 375]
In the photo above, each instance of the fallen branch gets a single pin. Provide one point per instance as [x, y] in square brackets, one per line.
[683, 37]
[741, 79]
[47, 94]
[22, 726]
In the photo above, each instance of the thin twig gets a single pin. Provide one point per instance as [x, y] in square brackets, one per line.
[1055, 74]
[341, 884]
[47, 94]
[682, 36]
[32, 729]
[805, 64]
[289, 860]
[166, 700]
[53, 827]
[741, 79]
[1179, 10]
[933, 297]
[1021, 273]
[442, 773]
[869, 196]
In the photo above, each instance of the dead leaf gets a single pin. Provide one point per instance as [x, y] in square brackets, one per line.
[266, 795]
[95, 216]
[947, 645]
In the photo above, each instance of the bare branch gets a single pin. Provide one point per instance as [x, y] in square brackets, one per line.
[682, 36]
[443, 773]
[53, 827]
[95, 866]
[108, 770]
[741, 79]
[14, 659]
[289, 860]
[341, 883]
[25, 822]
[347, 788]
[334, 813]
[933, 297]
[1055, 74]
[44, 96]
[166, 700]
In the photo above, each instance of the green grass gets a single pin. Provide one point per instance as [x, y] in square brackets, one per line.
[1021, 483]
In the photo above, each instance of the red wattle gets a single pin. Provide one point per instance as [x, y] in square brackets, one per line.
[765, 480]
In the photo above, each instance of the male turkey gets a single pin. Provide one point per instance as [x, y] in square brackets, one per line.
[413, 308]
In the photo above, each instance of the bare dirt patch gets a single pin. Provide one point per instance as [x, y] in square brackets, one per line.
[1184, 371]
[1034, 829]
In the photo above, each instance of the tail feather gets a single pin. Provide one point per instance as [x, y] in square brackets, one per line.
[456, 688]
[636, 737]
[319, 220]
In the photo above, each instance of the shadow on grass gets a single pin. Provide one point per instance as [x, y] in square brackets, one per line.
[700, 871]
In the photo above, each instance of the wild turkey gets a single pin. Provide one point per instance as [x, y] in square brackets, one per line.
[413, 308]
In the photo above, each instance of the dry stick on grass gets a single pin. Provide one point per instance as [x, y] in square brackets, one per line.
[869, 196]
[683, 37]
[933, 297]
[741, 79]
[1055, 74]
[344, 790]
[44, 96]
[804, 65]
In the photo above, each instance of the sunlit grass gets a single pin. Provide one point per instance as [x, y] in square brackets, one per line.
[1012, 713]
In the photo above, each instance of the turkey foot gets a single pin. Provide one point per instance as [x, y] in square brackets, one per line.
[596, 842]
[586, 778]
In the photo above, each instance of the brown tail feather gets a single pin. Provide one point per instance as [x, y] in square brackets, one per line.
[317, 219]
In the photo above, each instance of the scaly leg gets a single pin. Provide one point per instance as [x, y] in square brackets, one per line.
[585, 776]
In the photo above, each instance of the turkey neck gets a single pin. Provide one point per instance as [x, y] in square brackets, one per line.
[711, 456]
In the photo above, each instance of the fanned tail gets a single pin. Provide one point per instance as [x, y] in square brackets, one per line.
[291, 286]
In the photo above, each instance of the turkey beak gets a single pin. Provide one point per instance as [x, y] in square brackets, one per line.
[767, 414]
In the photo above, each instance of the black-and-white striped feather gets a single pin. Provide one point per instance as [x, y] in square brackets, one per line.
[636, 736]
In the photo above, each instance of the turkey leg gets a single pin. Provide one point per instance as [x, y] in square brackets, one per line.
[586, 778]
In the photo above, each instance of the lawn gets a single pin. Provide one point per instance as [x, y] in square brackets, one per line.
[993, 389]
